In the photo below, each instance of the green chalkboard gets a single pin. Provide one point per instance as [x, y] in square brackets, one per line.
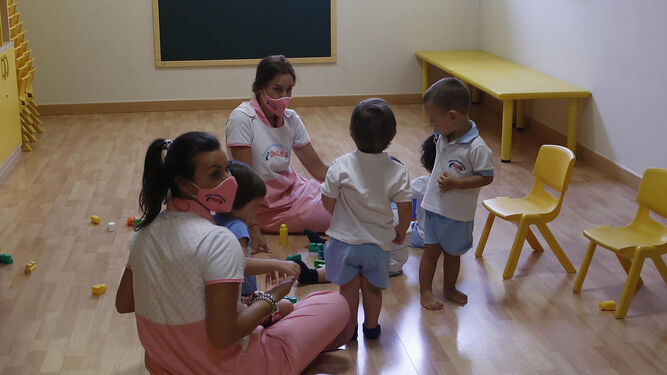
[226, 32]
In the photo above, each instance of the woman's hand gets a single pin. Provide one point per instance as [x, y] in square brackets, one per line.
[258, 242]
[279, 284]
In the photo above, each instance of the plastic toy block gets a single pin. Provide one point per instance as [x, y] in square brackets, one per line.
[608, 305]
[95, 219]
[319, 263]
[30, 266]
[6, 259]
[291, 299]
[137, 222]
[130, 221]
[99, 289]
[283, 234]
[293, 257]
[312, 247]
[112, 226]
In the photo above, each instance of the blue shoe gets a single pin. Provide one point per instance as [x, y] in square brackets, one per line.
[372, 333]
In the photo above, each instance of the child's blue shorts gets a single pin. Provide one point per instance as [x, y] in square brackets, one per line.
[345, 261]
[455, 237]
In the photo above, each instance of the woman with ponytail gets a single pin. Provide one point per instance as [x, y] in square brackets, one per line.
[184, 274]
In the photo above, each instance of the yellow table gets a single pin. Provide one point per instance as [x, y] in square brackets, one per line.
[505, 81]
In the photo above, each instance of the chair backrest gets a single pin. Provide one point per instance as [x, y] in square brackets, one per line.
[653, 191]
[554, 166]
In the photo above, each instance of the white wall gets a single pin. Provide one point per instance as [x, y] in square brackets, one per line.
[102, 51]
[614, 48]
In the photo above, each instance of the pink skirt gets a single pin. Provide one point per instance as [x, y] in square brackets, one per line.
[295, 201]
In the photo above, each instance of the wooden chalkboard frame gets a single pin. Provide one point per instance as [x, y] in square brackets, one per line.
[159, 63]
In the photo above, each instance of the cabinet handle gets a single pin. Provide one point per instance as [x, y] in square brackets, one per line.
[5, 68]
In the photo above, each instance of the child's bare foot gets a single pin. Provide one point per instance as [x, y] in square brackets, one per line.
[456, 296]
[429, 301]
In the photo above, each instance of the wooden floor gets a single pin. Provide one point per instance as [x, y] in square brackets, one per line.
[532, 324]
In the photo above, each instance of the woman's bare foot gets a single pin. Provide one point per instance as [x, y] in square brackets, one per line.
[429, 301]
[456, 296]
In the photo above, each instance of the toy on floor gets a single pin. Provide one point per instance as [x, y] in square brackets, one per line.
[312, 247]
[291, 299]
[293, 257]
[30, 266]
[138, 222]
[99, 289]
[608, 305]
[319, 263]
[130, 221]
[283, 234]
[95, 219]
[6, 259]
[112, 226]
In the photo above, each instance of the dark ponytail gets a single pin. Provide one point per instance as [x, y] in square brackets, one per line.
[160, 174]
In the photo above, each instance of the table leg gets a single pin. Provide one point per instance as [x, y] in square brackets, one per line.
[520, 114]
[425, 77]
[475, 96]
[506, 145]
[572, 124]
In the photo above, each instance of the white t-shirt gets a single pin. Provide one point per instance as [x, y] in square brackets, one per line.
[364, 185]
[463, 157]
[270, 147]
[418, 186]
[174, 258]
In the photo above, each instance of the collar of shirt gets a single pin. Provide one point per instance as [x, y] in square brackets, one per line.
[189, 205]
[371, 157]
[467, 137]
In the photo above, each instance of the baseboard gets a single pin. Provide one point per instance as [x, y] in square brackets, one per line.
[591, 157]
[10, 162]
[208, 104]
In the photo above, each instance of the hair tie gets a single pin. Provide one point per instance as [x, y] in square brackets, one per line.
[166, 143]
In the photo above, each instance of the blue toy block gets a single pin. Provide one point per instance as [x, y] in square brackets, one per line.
[290, 298]
[293, 257]
[320, 251]
[6, 259]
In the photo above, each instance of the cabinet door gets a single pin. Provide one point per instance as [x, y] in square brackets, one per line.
[10, 125]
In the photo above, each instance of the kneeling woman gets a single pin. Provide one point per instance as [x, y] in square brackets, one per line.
[184, 274]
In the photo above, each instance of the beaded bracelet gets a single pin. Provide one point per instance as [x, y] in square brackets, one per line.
[268, 298]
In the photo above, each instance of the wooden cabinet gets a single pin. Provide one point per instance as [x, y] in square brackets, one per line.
[10, 125]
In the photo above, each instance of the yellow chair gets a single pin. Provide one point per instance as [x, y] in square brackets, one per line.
[641, 239]
[553, 168]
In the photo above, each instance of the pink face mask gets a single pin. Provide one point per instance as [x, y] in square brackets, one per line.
[219, 198]
[277, 106]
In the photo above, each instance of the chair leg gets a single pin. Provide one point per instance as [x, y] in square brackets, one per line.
[513, 259]
[627, 263]
[630, 285]
[660, 265]
[583, 270]
[485, 235]
[555, 247]
[532, 240]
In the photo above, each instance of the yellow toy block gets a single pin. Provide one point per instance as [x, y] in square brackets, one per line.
[95, 219]
[30, 266]
[99, 289]
[608, 305]
[283, 234]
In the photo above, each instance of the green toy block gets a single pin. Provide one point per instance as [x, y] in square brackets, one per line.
[138, 221]
[312, 247]
[290, 298]
[293, 257]
[319, 263]
[6, 259]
